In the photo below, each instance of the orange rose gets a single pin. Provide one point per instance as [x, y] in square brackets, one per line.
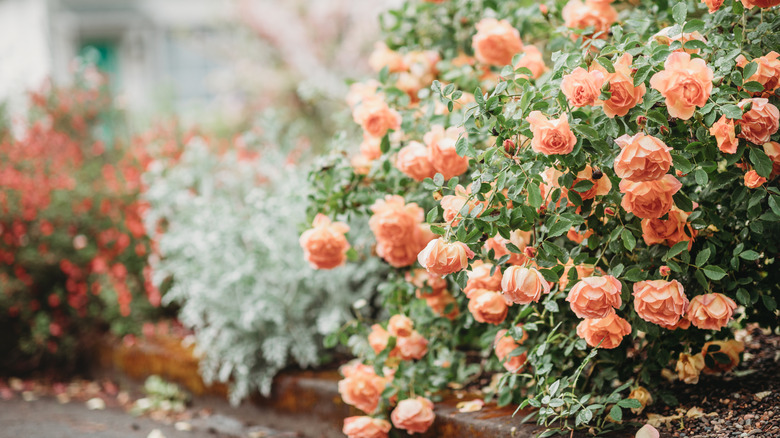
[504, 345]
[519, 238]
[669, 231]
[711, 311]
[400, 256]
[370, 148]
[383, 56]
[595, 297]
[642, 158]
[551, 137]
[760, 122]
[660, 302]
[581, 87]
[360, 164]
[753, 179]
[760, 3]
[599, 14]
[496, 42]
[376, 117]
[582, 272]
[480, 278]
[397, 228]
[714, 349]
[713, 5]
[414, 415]
[724, 133]
[689, 367]
[362, 387]
[642, 395]
[414, 160]
[400, 325]
[577, 237]
[487, 306]
[649, 199]
[442, 258]
[524, 285]
[623, 94]
[439, 303]
[378, 339]
[609, 331]
[452, 204]
[685, 83]
[365, 427]
[325, 246]
[532, 60]
[444, 157]
[412, 347]
[600, 187]
[772, 150]
[362, 90]
[767, 74]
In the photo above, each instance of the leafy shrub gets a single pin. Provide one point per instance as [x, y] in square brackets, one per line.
[528, 174]
[72, 243]
[229, 243]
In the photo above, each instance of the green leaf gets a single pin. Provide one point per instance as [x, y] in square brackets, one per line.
[630, 403]
[714, 272]
[679, 12]
[384, 145]
[774, 204]
[606, 63]
[761, 162]
[641, 74]
[743, 297]
[629, 241]
[750, 69]
[769, 302]
[731, 111]
[676, 249]
[693, 26]
[559, 228]
[534, 194]
[587, 131]
[701, 177]
[432, 215]
[753, 87]
[616, 413]
[702, 256]
[462, 146]
[658, 117]
[438, 179]
[749, 255]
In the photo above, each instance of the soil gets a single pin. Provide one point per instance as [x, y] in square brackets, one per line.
[739, 404]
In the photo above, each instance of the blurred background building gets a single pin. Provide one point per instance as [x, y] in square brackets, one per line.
[190, 57]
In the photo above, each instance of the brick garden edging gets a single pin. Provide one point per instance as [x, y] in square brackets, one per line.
[310, 394]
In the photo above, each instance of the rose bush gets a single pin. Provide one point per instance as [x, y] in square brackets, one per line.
[625, 192]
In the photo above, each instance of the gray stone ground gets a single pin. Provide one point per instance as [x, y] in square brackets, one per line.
[46, 417]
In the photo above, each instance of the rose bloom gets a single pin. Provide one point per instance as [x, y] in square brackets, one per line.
[753, 179]
[600, 187]
[581, 87]
[623, 94]
[519, 238]
[767, 74]
[524, 285]
[414, 415]
[325, 246]
[412, 347]
[402, 255]
[496, 42]
[414, 160]
[711, 311]
[642, 395]
[669, 231]
[378, 339]
[365, 427]
[487, 306]
[532, 60]
[725, 135]
[642, 158]
[689, 367]
[438, 303]
[666, 37]
[452, 204]
[660, 302]
[383, 56]
[551, 137]
[760, 3]
[370, 148]
[685, 83]
[578, 237]
[376, 117]
[595, 297]
[504, 345]
[442, 258]
[772, 150]
[396, 226]
[713, 5]
[760, 122]
[598, 14]
[611, 329]
[730, 348]
[362, 387]
[582, 272]
[479, 277]
[360, 164]
[444, 157]
[400, 325]
[362, 90]
[649, 199]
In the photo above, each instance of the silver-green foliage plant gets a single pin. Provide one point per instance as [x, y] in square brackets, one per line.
[229, 244]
